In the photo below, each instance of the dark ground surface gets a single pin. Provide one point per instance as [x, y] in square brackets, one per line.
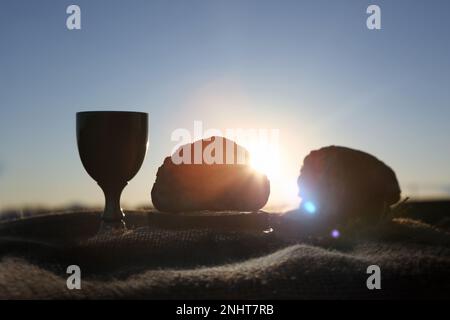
[225, 255]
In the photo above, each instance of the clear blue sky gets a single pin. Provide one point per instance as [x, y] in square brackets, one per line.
[310, 68]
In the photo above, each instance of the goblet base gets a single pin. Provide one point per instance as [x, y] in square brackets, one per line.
[112, 227]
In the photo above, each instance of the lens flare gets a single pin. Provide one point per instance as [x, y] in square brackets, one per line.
[310, 207]
[335, 233]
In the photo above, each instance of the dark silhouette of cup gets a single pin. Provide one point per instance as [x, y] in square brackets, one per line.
[112, 146]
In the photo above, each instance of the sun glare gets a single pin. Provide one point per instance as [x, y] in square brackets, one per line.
[268, 159]
[265, 159]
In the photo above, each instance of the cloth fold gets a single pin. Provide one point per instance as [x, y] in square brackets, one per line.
[234, 256]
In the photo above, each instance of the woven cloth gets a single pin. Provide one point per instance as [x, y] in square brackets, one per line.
[234, 256]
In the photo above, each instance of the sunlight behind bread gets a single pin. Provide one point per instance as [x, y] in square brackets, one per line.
[267, 158]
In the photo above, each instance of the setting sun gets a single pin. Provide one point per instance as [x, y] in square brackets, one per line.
[265, 159]
[268, 158]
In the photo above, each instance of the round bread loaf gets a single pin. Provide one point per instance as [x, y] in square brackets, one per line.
[229, 183]
[342, 183]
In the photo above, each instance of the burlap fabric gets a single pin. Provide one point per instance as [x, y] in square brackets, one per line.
[217, 256]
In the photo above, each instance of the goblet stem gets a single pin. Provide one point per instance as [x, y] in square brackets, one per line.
[113, 214]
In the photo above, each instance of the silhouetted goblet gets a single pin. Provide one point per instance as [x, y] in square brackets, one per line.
[112, 147]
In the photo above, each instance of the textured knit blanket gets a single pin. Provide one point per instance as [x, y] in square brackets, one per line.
[221, 256]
